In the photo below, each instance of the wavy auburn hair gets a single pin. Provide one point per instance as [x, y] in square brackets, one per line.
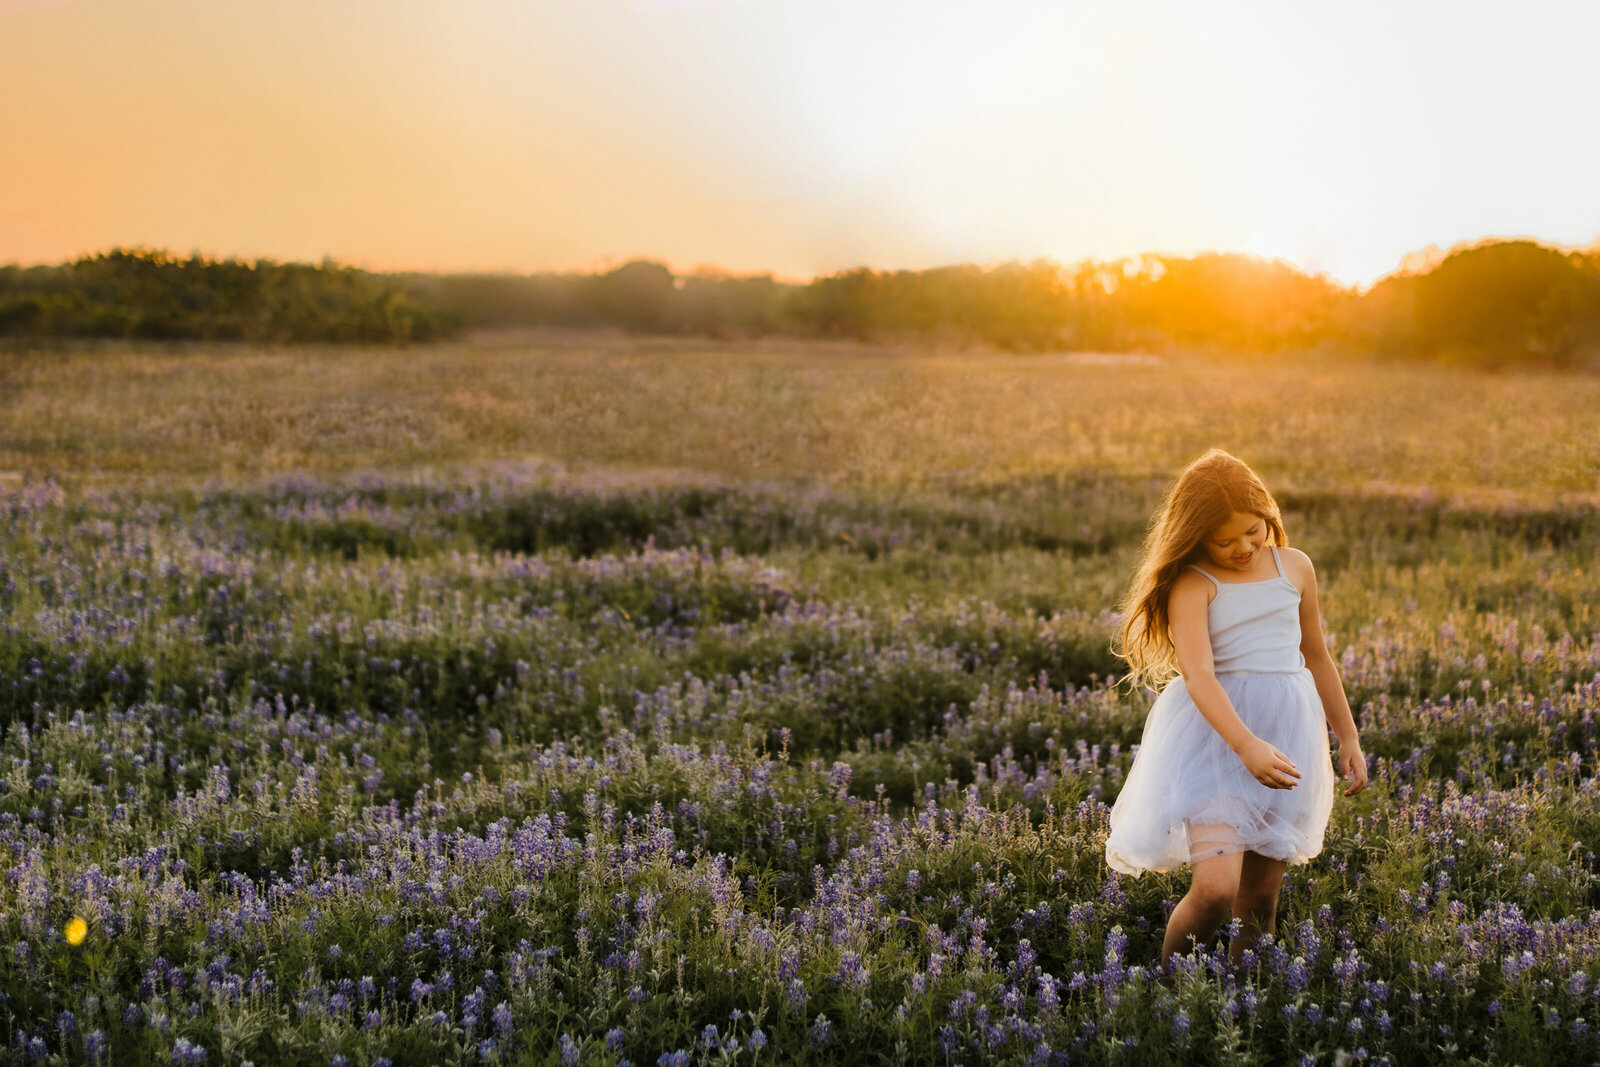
[1206, 495]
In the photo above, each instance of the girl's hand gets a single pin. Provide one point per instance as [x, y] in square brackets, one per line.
[1269, 766]
[1353, 765]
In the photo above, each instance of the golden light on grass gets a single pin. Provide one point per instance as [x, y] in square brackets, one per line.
[76, 930]
[837, 411]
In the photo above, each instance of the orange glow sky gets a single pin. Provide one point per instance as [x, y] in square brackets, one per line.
[796, 136]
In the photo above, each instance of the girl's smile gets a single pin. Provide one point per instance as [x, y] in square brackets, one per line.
[1236, 544]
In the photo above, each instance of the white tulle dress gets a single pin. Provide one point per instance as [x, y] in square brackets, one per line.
[1188, 796]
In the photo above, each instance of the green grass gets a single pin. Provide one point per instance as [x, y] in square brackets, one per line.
[286, 694]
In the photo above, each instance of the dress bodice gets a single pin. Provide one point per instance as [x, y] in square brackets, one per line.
[1255, 626]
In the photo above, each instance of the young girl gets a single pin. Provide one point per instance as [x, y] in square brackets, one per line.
[1233, 774]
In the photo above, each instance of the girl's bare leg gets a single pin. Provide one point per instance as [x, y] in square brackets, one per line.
[1256, 903]
[1205, 908]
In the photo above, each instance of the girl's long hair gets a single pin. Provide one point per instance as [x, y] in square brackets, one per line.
[1206, 495]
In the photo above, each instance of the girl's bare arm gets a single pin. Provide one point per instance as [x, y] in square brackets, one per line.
[1351, 760]
[1315, 649]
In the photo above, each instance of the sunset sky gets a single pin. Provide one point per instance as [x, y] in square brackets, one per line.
[794, 136]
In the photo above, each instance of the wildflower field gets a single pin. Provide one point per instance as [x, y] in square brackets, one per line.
[764, 721]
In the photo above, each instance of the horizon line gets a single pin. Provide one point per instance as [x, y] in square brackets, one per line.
[1430, 256]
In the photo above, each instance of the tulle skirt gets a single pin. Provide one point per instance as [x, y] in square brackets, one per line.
[1188, 796]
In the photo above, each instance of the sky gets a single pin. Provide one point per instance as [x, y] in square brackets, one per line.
[796, 137]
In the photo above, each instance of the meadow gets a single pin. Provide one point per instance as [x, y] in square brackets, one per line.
[583, 698]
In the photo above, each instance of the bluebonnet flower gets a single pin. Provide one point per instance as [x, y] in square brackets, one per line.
[185, 1053]
[851, 973]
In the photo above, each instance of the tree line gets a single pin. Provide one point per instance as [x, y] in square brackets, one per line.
[1487, 302]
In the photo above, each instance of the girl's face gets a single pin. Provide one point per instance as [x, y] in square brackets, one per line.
[1236, 544]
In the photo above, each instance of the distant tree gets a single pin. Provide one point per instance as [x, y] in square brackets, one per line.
[635, 294]
[1234, 300]
[841, 303]
[712, 302]
[1503, 299]
[1029, 305]
[1489, 301]
[504, 299]
[150, 293]
[1384, 318]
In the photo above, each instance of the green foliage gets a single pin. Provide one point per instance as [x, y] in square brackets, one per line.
[143, 294]
[1501, 299]
[1488, 303]
[320, 761]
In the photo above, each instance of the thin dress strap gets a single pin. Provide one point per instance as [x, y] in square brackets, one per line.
[1278, 561]
[1208, 574]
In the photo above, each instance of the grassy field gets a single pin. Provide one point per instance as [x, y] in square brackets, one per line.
[563, 698]
[781, 409]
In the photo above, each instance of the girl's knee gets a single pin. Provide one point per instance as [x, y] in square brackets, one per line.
[1215, 896]
[1216, 880]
